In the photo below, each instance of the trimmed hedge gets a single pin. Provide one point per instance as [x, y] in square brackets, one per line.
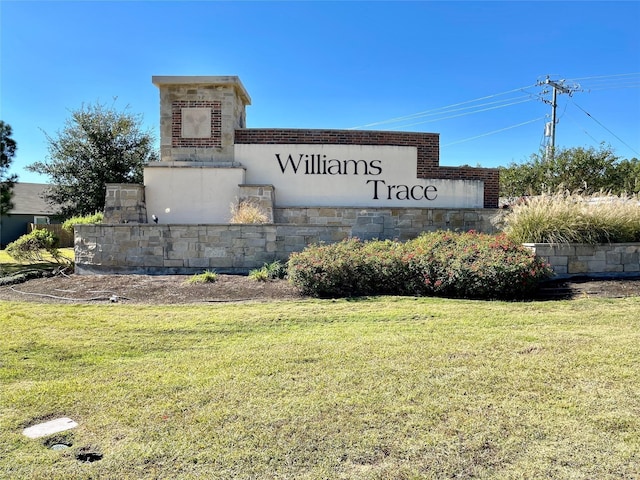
[460, 265]
[83, 220]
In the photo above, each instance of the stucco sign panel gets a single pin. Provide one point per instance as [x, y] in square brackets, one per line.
[352, 175]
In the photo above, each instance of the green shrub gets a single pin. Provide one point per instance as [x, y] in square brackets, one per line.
[207, 276]
[468, 265]
[87, 219]
[276, 269]
[259, 274]
[351, 268]
[32, 247]
[473, 265]
[571, 218]
[333, 270]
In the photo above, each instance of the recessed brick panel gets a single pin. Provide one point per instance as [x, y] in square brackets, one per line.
[214, 141]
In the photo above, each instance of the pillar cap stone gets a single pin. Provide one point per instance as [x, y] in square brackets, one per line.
[219, 80]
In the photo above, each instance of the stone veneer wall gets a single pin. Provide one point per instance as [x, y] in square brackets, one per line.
[390, 223]
[125, 203]
[602, 260]
[427, 144]
[184, 249]
[261, 195]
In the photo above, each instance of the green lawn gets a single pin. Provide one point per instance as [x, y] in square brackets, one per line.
[383, 388]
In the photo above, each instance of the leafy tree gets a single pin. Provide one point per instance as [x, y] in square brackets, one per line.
[98, 145]
[575, 169]
[628, 175]
[8, 149]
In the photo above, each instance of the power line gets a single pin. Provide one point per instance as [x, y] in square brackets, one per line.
[600, 123]
[446, 112]
[610, 83]
[607, 76]
[602, 82]
[597, 81]
[452, 110]
[612, 86]
[581, 127]
[426, 112]
[459, 115]
[470, 107]
[495, 131]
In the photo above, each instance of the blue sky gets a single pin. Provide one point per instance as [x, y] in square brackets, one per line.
[466, 70]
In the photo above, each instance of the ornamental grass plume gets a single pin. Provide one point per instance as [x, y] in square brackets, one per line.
[565, 217]
[247, 211]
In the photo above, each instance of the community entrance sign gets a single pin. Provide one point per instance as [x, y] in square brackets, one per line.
[207, 154]
[312, 186]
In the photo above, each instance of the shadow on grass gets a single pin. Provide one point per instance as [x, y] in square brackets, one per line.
[10, 269]
[537, 296]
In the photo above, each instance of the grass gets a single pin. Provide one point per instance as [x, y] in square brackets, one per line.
[564, 217]
[208, 276]
[259, 274]
[248, 211]
[10, 266]
[269, 271]
[373, 388]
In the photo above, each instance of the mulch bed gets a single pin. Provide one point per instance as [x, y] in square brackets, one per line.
[580, 287]
[146, 289]
[174, 289]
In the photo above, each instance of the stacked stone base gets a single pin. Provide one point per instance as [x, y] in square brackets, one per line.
[602, 260]
[184, 249]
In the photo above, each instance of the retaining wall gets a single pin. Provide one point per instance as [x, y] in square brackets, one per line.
[183, 249]
[390, 223]
[602, 260]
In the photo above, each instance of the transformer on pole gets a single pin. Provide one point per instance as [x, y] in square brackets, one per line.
[550, 127]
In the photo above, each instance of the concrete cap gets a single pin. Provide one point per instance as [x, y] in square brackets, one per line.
[221, 80]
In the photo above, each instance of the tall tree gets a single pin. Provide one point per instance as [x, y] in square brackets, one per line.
[8, 149]
[575, 169]
[98, 145]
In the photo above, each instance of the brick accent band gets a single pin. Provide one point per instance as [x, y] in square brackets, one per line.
[427, 144]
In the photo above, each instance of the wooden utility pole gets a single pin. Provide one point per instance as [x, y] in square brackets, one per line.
[551, 132]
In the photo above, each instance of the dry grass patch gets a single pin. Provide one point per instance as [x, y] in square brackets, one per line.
[248, 211]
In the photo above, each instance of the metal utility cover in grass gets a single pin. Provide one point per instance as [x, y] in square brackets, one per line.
[50, 427]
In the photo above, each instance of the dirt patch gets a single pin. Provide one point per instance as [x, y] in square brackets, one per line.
[147, 289]
[590, 287]
[174, 289]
